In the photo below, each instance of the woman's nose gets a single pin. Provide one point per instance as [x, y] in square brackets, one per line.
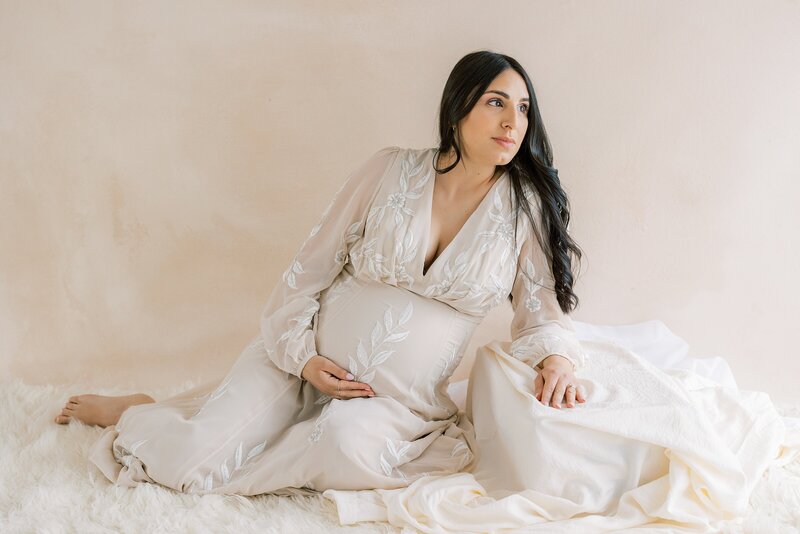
[511, 121]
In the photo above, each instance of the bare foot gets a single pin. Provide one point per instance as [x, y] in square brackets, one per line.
[99, 410]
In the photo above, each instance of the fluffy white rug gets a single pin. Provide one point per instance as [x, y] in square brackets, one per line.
[47, 485]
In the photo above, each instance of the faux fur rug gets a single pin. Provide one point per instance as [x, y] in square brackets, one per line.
[47, 484]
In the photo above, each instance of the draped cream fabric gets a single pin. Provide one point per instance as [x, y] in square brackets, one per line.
[647, 445]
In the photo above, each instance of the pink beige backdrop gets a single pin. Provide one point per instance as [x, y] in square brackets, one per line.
[160, 163]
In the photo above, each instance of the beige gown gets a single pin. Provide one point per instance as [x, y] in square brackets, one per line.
[356, 293]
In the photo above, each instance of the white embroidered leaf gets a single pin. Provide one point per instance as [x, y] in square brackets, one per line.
[408, 240]
[377, 331]
[361, 352]
[530, 270]
[387, 318]
[459, 449]
[387, 468]
[404, 182]
[504, 255]
[381, 357]
[367, 377]
[398, 248]
[406, 315]
[353, 365]
[257, 449]
[223, 469]
[238, 459]
[354, 229]
[403, 450]
[340, 255]
[391, 447]
[400, 336]
[208, 482]
[220, 391]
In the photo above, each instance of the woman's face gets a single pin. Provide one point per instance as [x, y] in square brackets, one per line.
[501, 112]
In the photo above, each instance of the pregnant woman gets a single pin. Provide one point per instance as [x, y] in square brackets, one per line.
[344, 389]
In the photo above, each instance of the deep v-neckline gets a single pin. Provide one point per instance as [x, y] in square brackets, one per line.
[429, 212]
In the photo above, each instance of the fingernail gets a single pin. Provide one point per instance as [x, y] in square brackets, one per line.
[557, 406]
[350, 376]
[571, 405]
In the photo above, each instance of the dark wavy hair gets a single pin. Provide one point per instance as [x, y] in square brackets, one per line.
[532, 166]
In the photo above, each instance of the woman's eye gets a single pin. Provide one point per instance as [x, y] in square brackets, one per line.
[525, 106]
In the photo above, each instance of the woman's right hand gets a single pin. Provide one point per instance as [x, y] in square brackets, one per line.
[326, 376]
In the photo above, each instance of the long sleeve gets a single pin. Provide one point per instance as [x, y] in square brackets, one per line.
[539, 327]
[286, 321]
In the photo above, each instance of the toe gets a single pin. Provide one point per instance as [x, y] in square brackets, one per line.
[73, 399]
[61, 419]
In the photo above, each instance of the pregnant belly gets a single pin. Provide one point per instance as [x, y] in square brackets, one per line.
[400, 343]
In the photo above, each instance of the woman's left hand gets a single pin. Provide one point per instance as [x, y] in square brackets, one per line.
[551, 383]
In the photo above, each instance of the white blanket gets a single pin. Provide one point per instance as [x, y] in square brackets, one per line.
[665, 443]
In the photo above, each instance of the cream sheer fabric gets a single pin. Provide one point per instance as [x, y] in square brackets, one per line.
[648, 446]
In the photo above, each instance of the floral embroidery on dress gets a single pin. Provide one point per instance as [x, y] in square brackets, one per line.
[450, 361]
[460, 449]
[398, 200]
[302, 322]
[449, 364]
[217, 393]
[363, 366]
[504, 229]
[396, 455]
[316, 433]
[374, 260]
[532, 302]
[479, 296]
[352, 235]
[405, 252]
[453, 271]
[290, 275]
[239, 463]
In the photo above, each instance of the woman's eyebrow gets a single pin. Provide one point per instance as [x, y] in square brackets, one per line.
[506, 95]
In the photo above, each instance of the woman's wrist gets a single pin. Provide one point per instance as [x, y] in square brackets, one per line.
[555, 360]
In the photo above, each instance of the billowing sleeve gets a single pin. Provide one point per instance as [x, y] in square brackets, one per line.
[539, 327]
[286, 321]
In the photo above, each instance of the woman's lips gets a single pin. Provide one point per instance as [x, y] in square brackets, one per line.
[506, 144]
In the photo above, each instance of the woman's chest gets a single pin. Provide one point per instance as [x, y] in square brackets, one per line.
[448, 215]
[463, 256]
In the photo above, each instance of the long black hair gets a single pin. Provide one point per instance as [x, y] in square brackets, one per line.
[531, 169]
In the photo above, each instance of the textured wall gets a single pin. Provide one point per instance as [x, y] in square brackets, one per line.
[160, 162]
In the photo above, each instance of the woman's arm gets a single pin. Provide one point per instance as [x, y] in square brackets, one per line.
[286, 321]
[539, 327]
